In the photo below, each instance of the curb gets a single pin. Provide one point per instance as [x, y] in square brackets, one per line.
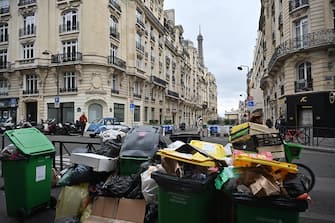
[320, 149]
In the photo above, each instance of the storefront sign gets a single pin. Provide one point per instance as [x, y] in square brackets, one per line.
[303, 99]
[332, 97]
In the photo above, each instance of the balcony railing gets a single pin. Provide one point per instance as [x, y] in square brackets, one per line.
[311, 40]
[4, 9]
[115, 4]
[27, 31]
[303, 85]
[114, 33]
[117, 62]
[139, 46]
[5, 65]
[137, 95]
[159, 81]
[69, 27]
[115, 91]
[26, 2]
[140, 22]
[173, 94]
[65, 90]
[30, 91]
[66, 57]
[294, 4]
[4, 92]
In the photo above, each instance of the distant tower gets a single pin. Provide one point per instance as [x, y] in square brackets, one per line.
[200, 49]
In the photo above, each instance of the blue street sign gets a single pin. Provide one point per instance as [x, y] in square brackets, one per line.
[132, 106]
[251, 103]
[57, 102]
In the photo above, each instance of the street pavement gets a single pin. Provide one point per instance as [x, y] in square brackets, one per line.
[322, 207]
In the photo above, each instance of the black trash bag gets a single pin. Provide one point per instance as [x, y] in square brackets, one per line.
[122, 186]
[75, 175]
[151, 213]
[110, 148]
[294, 185]
[68, 220]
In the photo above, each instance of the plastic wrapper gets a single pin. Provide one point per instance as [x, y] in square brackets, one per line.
[149, 185]
[75, 175]
[72, 201]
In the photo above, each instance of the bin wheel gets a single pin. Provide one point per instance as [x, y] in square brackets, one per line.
[21, 215]
[53, 202]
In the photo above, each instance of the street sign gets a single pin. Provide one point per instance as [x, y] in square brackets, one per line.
[57, 102]
[250, 103]
[132, 106]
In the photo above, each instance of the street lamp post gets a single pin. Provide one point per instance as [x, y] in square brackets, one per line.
[248, 90]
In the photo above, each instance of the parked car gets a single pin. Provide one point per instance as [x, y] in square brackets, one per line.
[98, 126]
[117, 133]
[226, 130]
[169, 129]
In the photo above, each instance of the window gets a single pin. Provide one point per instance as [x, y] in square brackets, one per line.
[334, 18]
[119, 112]
[3, 87]
[70, 50]
[31, 83]
[113, 27]
[115, 83]
[139, 17]
[28, 25]
[152, 113]
[139, 42]
[28, 51]
[304, 76]
[301, 31]
[4, 4]
[139, 63]
[3, 59]
[70, 22]
[137, 113]
[3, 32]
[145, 114]
[70, 81]
[137, 88]
[113, 51]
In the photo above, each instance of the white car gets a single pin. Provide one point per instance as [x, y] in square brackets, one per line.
[116, 133]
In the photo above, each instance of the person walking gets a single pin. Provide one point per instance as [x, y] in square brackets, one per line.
[82, 121]
[200, 126]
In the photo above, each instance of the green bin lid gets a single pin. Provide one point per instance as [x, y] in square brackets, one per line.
[30, 141]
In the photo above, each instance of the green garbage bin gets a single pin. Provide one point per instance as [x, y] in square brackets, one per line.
[185, 199]
[267, 209]
[28, 180]
[131, 165]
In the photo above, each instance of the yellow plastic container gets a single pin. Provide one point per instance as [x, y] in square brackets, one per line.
[280, 168]
[216, 151]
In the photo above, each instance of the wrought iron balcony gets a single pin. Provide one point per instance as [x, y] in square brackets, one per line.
[66, 57]
[115, 4]
[67, 90]
[280, 19]
[4, 92]
[295, 4]
[303, 85]
[5, 65]
[137, 95]
[117, 62]
[114, 33]
[321, 38]
[140, 22]
[173, 94]
[158, 81]
[26, 2]
[114, 91]
[27, 31]
[4, 9]
[139, 46]
[30, 91]
[69, 27]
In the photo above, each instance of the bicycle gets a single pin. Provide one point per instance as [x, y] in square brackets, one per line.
[294, 135]
[292, 152]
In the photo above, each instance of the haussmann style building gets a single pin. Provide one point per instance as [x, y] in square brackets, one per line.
[122, 58]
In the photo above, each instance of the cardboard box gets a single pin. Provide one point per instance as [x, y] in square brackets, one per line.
[99, 163]
[277, 151]
[110, 210]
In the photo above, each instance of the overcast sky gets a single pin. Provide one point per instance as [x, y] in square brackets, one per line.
[229, 29]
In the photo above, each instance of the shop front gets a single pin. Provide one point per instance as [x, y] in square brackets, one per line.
[8, 109]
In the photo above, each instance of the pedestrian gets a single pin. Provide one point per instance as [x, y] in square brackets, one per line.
[199, 124]
[269, 123]
[82, 121]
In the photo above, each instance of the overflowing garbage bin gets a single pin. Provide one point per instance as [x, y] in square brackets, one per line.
[185, 199]
[27, 171]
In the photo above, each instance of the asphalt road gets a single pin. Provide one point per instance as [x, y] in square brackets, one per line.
[321, 209]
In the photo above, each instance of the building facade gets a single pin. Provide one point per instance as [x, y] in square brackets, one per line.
[126, 59]
[298, 79]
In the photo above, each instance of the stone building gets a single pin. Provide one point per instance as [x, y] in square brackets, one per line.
[126, 59]
[298, 76]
